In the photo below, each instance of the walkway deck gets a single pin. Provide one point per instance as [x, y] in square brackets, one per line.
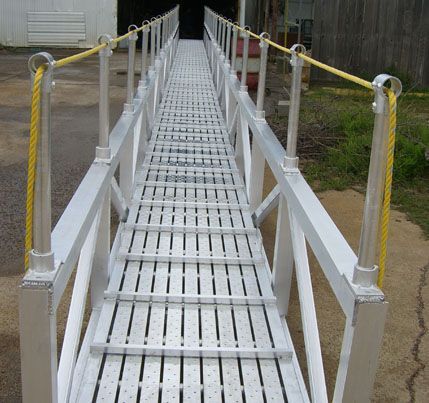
[189, 314]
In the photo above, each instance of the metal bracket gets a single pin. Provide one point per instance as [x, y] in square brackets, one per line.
[365, 277]
[295, 59]
[36, 61]
[379, 105]
[108, 40]
[103, 155]
[290, 165]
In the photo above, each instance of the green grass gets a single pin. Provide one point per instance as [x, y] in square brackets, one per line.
[343, 122]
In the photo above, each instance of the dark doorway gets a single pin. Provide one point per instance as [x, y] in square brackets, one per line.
[191, 13]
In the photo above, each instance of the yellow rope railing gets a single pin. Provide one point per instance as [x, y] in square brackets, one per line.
[385, 209]
[35, 126]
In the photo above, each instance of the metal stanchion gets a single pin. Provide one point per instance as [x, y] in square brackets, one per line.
[145, 37]
[291, 160]
[152, 43]
[260, 113]
[132, 39]
[103, 149]
[366, 270]
[41, 256]
[245, 57]
[228, 43]
[234, 49]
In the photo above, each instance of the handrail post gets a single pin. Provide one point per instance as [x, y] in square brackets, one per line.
[103, 149]
[234, 50]
[217, 30]
[366, 270]
[244, 57]
[144, 67]
[37, 319]
[228, 43]
[223, 38]
[132, 39]
[291, 160]
[41, 256]
[158, 37]
[260, 113]
[152, 43]
[164, 25]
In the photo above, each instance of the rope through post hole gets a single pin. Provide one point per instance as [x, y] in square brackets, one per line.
[385, 214]
[32, 160]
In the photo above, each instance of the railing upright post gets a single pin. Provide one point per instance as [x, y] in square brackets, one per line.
[223, 40]
[37, 318]
[103, 150]
[366, 270]
[245, 57]
[164, 26]
[132, 39]
[228, 44]
[41, 257]
[158, 36]
[260, 113]
[144, 67]
[291, 160]
[234, 50]
[99, 275]
[152, 43]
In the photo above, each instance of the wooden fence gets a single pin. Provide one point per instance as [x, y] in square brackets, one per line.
[367, 37]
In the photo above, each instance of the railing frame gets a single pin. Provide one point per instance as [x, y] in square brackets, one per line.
[82, 234]
[302, 220]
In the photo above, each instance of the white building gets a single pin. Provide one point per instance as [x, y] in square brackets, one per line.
[65, 23]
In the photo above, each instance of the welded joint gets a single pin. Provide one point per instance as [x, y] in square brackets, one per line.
[41, 262]
[43, 285]
[365, 277]
[290, 165]
[129, 109]
[103, 155]
[361, 300]
[259, 116]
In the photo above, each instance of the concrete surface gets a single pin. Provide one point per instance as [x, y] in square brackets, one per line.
[402, 375]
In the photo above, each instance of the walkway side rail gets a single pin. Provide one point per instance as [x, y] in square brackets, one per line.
[81, 238]
[301, 219]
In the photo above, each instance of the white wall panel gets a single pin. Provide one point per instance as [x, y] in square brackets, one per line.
[67, 23]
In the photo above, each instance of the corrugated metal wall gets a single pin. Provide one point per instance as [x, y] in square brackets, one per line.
[366, 37]
[71, 23]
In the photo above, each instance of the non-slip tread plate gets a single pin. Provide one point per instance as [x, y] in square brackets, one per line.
[189, 237]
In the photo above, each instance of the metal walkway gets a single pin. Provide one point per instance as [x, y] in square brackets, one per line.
[184, 306]
[189, 313]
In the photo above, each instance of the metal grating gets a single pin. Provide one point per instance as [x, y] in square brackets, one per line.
[189, 314]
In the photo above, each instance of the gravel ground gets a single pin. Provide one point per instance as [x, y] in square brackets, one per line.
[402, 375]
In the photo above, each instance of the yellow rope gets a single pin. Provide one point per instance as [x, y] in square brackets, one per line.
[385, 209]
[32, 158]
[385, 215]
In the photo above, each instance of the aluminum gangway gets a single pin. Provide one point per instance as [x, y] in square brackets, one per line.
[184, 305]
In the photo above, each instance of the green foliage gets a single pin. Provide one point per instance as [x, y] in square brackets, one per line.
[345, 163]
